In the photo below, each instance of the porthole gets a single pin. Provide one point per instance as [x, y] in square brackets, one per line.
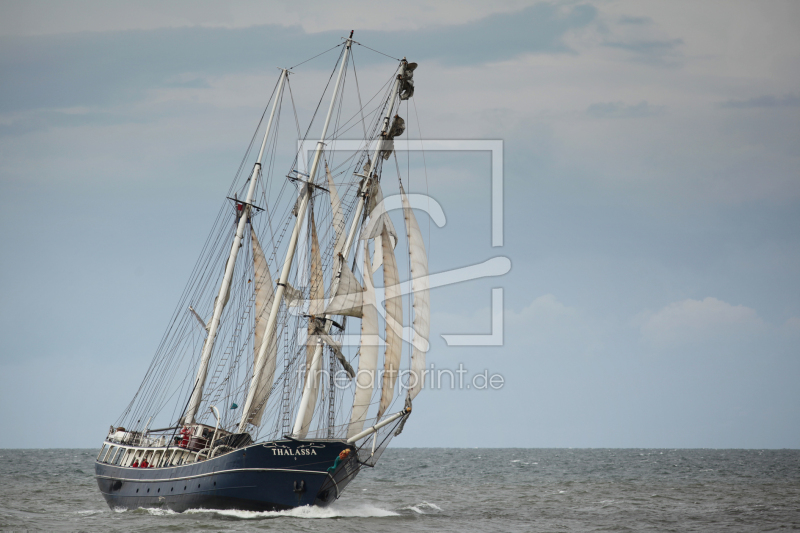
[215, 483]
[198, 485]
[159, 490]
[171, 489]
[148, 490]
[137, 490]
[184, 487]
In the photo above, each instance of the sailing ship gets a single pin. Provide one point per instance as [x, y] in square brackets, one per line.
[266, 399]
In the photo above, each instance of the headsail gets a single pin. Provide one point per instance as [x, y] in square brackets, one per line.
[420, 288]
[394, 322]
[368, 353]
[265, 293]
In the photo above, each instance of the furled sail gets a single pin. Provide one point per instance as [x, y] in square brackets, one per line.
[336, 346]
[316, 303]
[349, 293]
[265, 293]
[407, 83]
[394, 322]
[420, 288]
[293, 297]
[368, 353]
[395, 130]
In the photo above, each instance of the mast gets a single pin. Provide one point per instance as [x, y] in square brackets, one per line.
[299, 430]
[219, 304]
[373, 163]
[305, 197]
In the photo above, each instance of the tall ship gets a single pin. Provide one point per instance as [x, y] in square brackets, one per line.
[268, 390]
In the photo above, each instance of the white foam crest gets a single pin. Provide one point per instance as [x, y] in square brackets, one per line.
[159, 512]
[88, 513]
[418, 508]
[149, 510]
[310, 512]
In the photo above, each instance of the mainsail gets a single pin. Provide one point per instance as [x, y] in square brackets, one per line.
[264, 293]
[337, 218]
[315, 308]
[394, 322]
[420, 288]
[368, 353]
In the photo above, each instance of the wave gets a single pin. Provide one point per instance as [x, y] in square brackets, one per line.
[311, 512]
[419, 507]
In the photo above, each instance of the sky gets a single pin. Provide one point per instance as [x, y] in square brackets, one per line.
[651, 177]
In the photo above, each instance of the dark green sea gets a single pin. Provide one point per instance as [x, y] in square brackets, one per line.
[455, 490]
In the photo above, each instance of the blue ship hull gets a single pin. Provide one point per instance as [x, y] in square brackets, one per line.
[261, 477]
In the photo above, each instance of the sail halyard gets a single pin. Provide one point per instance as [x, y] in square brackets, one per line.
[219, 303]
[305, 197]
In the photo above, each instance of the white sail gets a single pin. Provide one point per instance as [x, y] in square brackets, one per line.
[368, 353]
[316, 304]
[420, 288]
[394, 322]
[379, 219]
[265, 293]
[316, 297]
[337, 218]
[349, 293]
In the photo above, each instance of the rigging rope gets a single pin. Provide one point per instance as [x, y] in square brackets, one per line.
[376, 51]
[316, 56]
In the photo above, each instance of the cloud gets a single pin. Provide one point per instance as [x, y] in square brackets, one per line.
[636, 21]
[555, 330]
[789, 100]
[544, 308]
[792, 326]
[622, 110]
[105, 68]
[690, 321]
[651, 52]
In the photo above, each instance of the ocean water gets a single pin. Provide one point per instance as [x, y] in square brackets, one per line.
[455, 490]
